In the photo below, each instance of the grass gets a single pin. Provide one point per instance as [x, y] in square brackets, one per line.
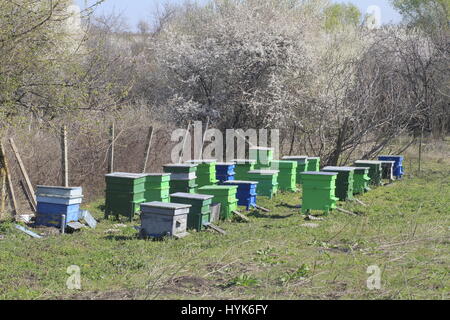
[404, 231]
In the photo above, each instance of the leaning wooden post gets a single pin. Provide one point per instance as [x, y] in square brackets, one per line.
[29, 187]
[12, 195]
[184, 142]
[147, 148]
[111, 148]
[3, 199]
[64, 157]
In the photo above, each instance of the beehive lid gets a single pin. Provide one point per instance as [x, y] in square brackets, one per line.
[59, 188]
[126, 175]
[225, 164]
[262, 148]
[232, 182]
[331, 168]
[244, 161]
[217, 188]
[387, 161]
[368, 161]
[264, 172]
[201, 197]
[361, 168]
[180, 165]
[157, 174]
[165, 205]
[295, 158]
[202, 161]
[313, 158]
[320, 173]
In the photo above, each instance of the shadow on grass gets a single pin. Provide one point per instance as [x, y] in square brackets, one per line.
[258, 214]
[290, 206]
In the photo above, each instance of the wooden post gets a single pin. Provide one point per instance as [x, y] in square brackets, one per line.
[111, 148]
[147, 148]
[3, 199]
[64, 158]
[420, 150]
[12, 196]
[27, 184]
[28, 196]
[184, 142]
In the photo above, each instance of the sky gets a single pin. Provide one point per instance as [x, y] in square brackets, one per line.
[135, 10]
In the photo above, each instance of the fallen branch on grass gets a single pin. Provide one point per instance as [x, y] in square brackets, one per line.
[346, 211]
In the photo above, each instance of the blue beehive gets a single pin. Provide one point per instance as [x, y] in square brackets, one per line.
[53, 202]
[398, 166]
[225, 171]
[246, 193]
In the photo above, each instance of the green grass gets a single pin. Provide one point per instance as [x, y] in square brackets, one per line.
[404, 231]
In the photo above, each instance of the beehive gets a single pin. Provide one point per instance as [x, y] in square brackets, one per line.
[375, 174]
[313, 164]
[387, 169]
[200, 211]
[398, 165]
[225, 171]
[287, 176]
[160, 219]
[206, 172]
[242, 168]
[319, 191]
[344, 181]
[267, 181]
[262, 155]
[246, 192]
[302, 165]
[124, 193]
[361, 180]
[157, 186]
[225, 195]
[54, 202]
[182, 178]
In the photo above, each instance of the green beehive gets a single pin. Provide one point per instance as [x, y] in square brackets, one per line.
[182, 178]
[319, 191]
[344, 181]
[124, 193]
[313, 164]
[361, 180]
[375, 173]
[157, 186]
[225, 195]
[267, 181]
[287, 176]
[242, 168]
[206, 172]
[302, 165]
[262, 155]
[200, 211]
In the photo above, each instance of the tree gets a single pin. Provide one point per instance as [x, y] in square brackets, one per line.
[340, 15]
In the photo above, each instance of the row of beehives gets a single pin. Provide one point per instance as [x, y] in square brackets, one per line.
[182, 197]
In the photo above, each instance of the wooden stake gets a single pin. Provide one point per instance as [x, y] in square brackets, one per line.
[360, 202]
[241, 216]
[3, 199]
[29, 191]
[262, 209]
[184, 142]
[346, 211]
[28, 196]
[12, 196]
[147, 148]
[215, 228]
[111, 148]
[64, 158]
